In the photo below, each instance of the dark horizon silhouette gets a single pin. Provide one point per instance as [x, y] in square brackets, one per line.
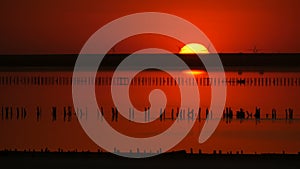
[262, 62]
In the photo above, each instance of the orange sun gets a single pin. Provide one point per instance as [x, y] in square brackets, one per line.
[193, 48]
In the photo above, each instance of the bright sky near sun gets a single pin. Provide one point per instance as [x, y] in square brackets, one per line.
[52, 26]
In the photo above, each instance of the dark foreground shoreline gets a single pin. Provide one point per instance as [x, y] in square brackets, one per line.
[168, 160]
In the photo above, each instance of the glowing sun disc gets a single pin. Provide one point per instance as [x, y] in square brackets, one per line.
[193, 48]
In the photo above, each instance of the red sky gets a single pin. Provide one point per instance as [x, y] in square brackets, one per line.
[48, 27]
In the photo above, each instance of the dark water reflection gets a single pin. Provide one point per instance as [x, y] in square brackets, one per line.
[29, 100]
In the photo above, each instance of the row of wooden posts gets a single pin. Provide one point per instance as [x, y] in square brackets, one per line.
[21, 113]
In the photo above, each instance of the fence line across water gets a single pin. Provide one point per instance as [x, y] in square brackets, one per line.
[33, 80]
